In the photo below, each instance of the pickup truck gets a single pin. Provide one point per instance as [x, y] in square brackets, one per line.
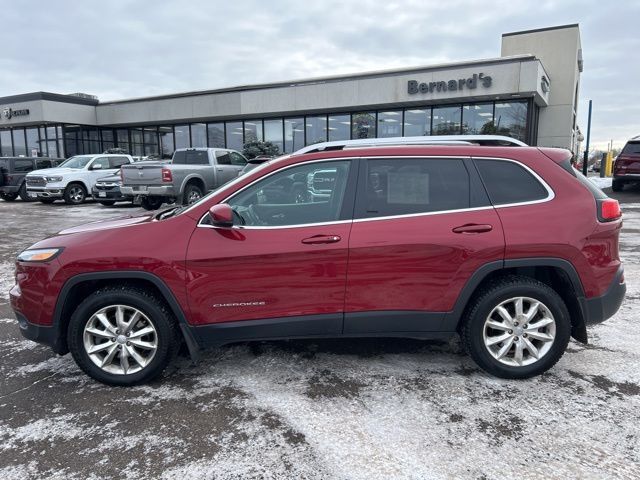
[13, 171]
[191, 173]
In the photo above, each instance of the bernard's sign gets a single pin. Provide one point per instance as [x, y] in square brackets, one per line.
[471, 83]
[9, 113]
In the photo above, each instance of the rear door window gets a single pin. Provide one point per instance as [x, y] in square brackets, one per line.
[22, 166]
[43, 163]
[223, 158]
[237, 159]
[404, 186]
[508, 182]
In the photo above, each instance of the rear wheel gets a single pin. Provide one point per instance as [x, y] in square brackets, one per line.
[8, 197]
[617, 186]
[108, 203]
[517, 327]
[46, 201]
[24, 196]
[192, 193]
[75, 194]
[122, 336]
[151, 203]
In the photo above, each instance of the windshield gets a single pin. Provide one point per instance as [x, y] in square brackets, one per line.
[79, 161]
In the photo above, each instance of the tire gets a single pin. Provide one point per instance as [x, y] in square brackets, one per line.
[75, 194]
[477, 333]
[192, 193]
[151, 203]
[46, 201]
[108, 203]
[161, 342]
[617, 186]
[8, 197]
[24, 196]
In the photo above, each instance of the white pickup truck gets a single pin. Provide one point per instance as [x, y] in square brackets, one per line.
[191, 173]
[74, 178]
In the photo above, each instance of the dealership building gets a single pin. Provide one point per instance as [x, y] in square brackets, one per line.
[530, 92]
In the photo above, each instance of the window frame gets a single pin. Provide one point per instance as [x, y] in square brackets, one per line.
[348, 200]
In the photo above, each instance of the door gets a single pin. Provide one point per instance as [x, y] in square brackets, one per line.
[422, 227]
[284, 262]
[227, 167]
[100, 167]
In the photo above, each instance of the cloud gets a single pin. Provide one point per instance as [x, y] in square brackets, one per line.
[125, 48]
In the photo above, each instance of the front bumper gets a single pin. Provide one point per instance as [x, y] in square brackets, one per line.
[598, 309]
[45, 335]
[45, 192]
[144, 190]
[9, 189]
[114, 195]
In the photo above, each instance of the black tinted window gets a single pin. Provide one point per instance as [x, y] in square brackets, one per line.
[22, 166]
[237, 159]
[507, 182]
[223, 158]
[117, 162]
[191, 157]
[405, 186]
[43, 163]
[632, 148]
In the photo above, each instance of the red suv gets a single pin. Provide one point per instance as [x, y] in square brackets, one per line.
[508, 246]
[626, 168]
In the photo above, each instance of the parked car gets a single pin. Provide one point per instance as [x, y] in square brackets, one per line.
[107, 191]
[418, 241]
[13, 171]
[191, 173]
[253, 163]
[626, 168]
[74, 179]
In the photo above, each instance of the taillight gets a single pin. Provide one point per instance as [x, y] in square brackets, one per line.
[166, 175]
[609, 210]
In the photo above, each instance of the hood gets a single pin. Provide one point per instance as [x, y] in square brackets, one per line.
[107, 224]
[53, 171]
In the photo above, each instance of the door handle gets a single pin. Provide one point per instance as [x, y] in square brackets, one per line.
[473, 228]
[318, 239]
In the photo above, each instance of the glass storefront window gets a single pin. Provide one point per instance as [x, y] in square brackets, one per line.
[389, 124]
[19, 145]
[316, 129]
[150, 135]
[122, 135]
[234, 135]
[6, 145]
[273, 133]
[137, 146]
[51, 142]
[446, 121]
[477, 119]
[182, 136]
[166, 141]
[43, 142]
[339, 127]
[363, 125]
[511, 120]
[215, 135]
[33, 143]
[198, 135]
[293, 134]
[417, 122]
[61, 151]
[252, 131]
[72, 143]
[108, 141]
[91, 140]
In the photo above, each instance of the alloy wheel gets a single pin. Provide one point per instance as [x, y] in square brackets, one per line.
[76, 194]
[120, 339]
[519, 331]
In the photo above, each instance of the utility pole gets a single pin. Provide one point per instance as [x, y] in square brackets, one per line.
[586, 149]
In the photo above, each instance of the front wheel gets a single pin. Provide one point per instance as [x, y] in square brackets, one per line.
[517, 327]
[122, 336]
[151, 203]
[8, 197]
[24, 196]
[75, 194]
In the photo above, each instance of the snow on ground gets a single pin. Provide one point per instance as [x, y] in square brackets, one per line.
[602, 182]
[348, 409]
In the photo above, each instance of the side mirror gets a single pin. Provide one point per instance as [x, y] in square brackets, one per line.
[221, 215]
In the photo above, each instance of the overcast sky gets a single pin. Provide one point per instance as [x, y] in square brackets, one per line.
[121, 49]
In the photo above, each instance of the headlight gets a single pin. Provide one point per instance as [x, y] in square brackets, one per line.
[54, 179]
[39, 255]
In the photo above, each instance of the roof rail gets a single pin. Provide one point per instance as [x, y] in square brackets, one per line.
[494, 140]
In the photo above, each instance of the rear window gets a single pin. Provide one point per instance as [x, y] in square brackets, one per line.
[191, 157]
[508, 182]
[632, 148]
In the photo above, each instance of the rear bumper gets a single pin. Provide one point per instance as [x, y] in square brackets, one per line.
[598, 309]
[160, 191]
[629, 177]
[109, 195]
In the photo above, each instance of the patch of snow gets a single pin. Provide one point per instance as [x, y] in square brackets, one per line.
[601, 182]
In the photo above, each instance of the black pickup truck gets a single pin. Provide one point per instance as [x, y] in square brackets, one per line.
[13, 171]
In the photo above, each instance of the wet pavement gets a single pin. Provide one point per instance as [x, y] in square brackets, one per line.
[361, 409]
